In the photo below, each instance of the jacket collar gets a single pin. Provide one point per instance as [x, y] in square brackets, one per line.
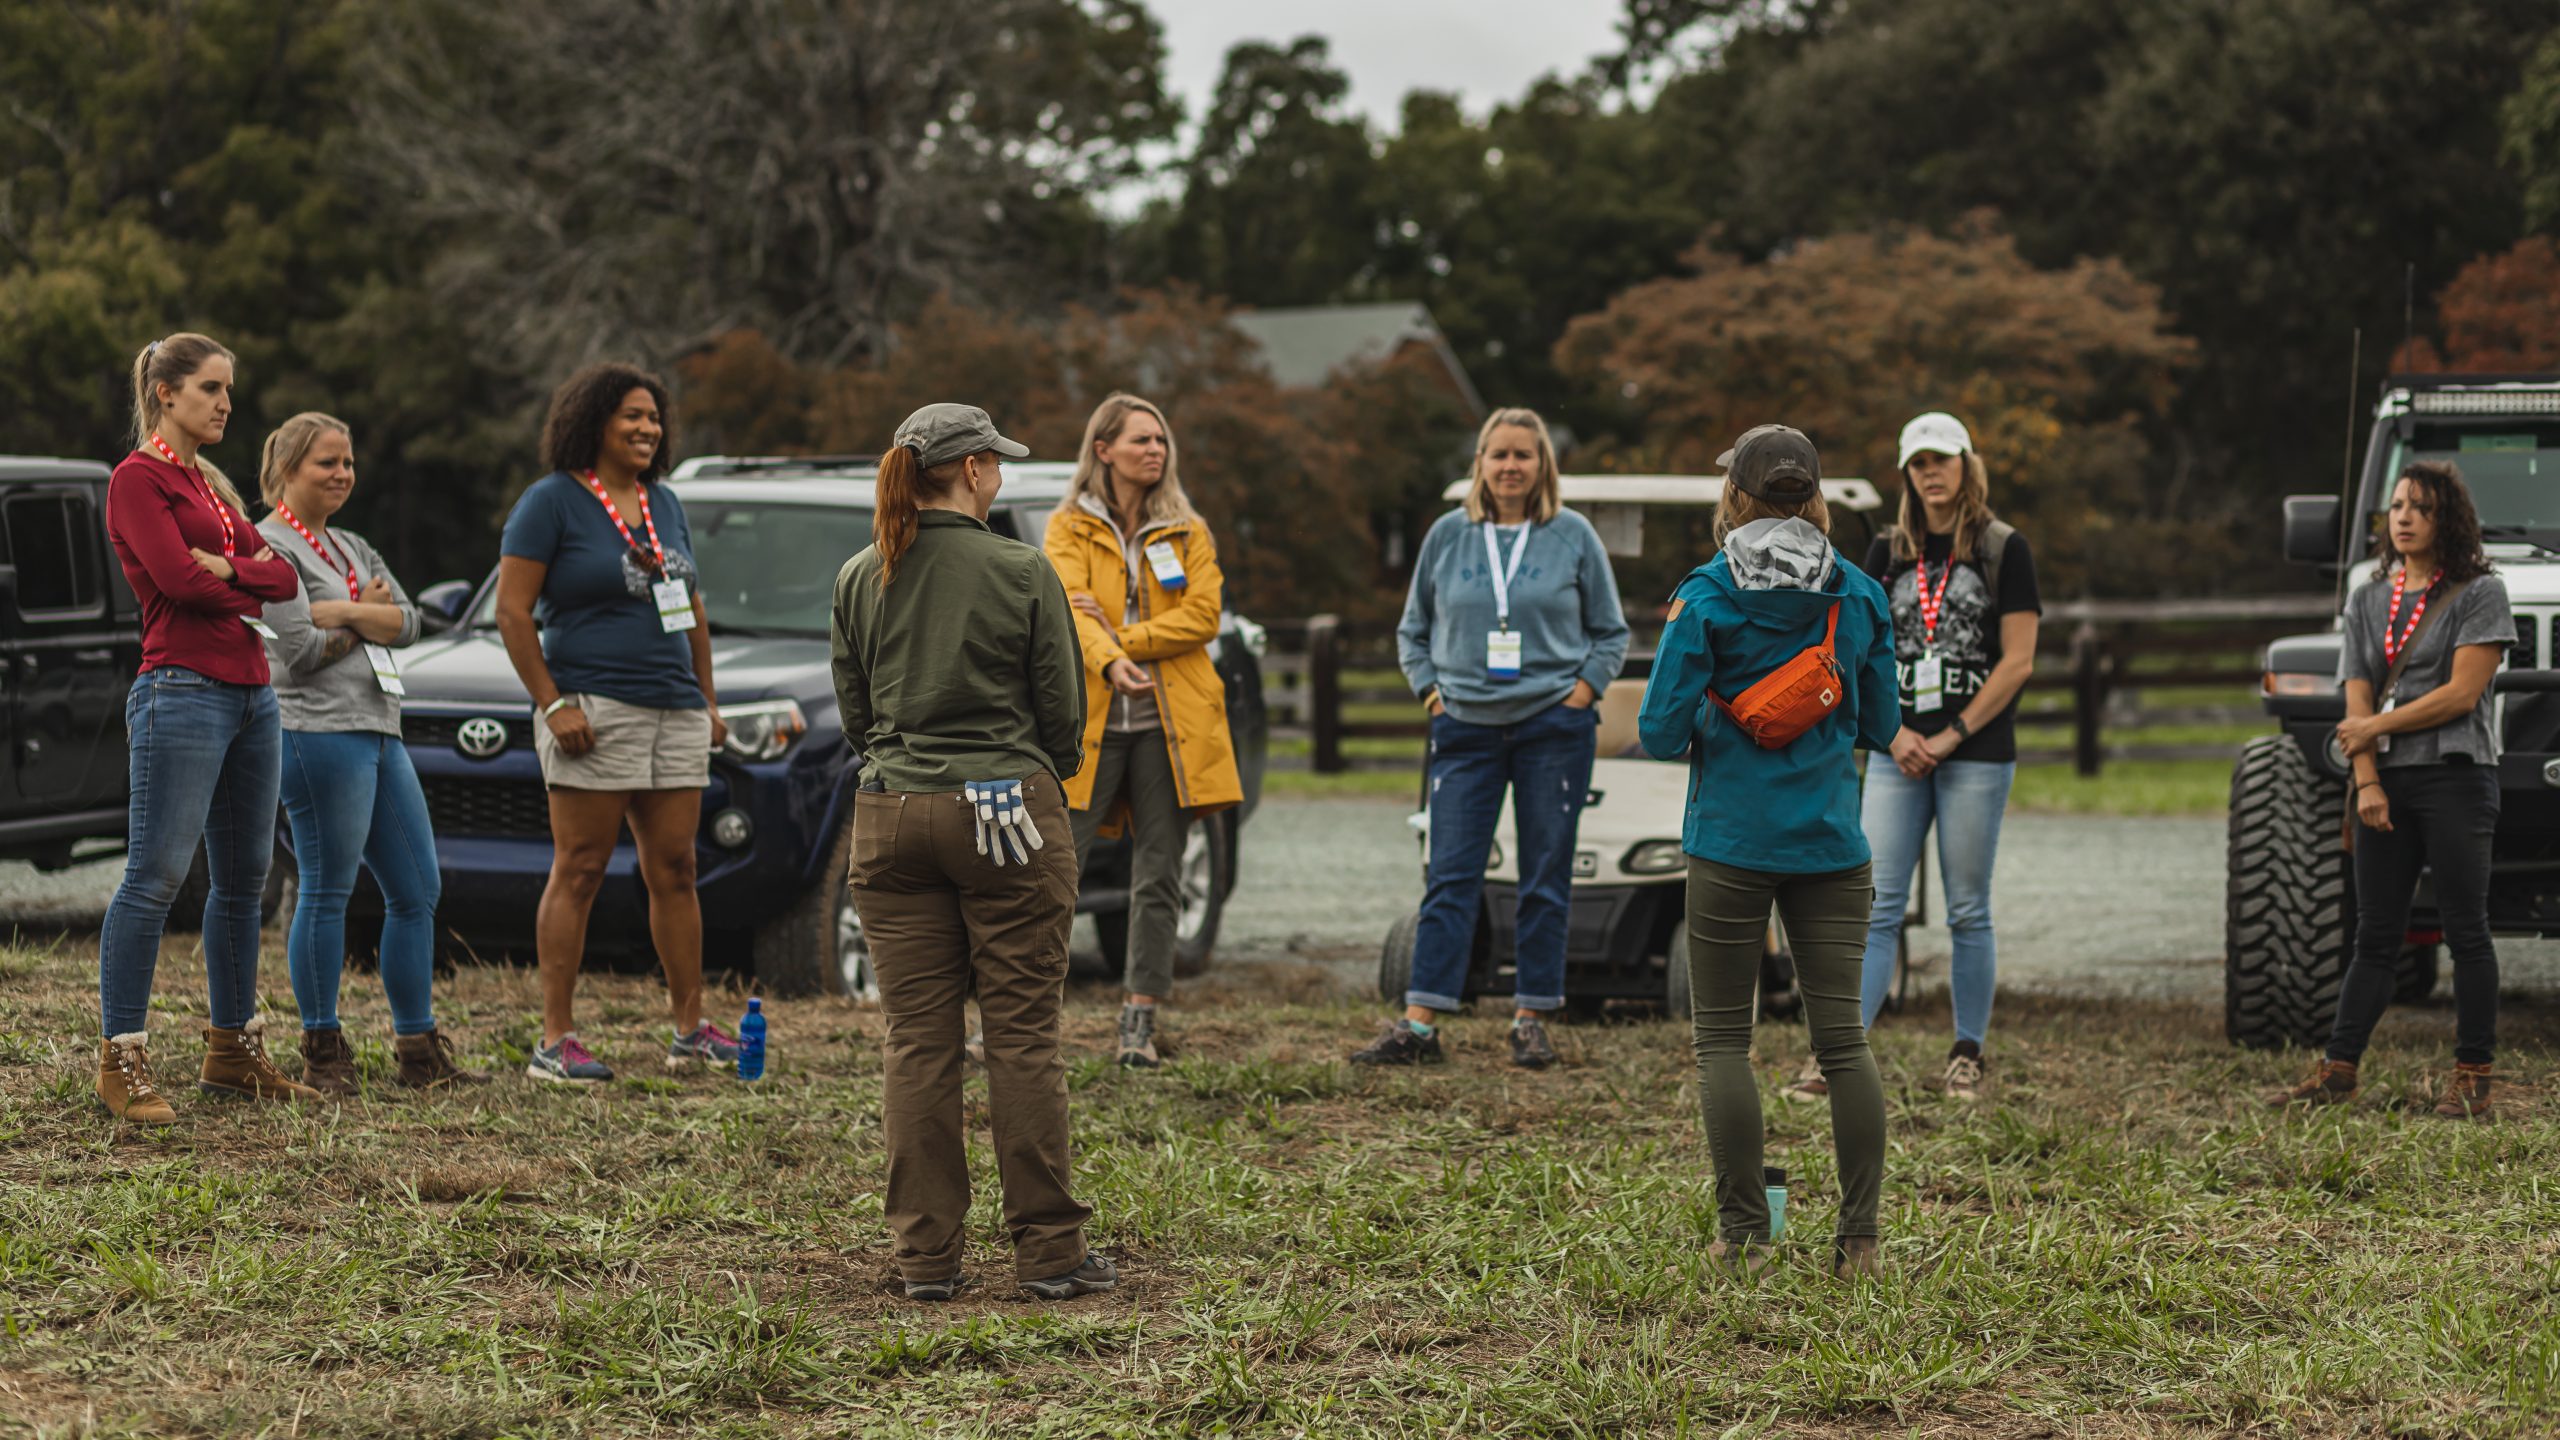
[947, 520]
[1095, 508]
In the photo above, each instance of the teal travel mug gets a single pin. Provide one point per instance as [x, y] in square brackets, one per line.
[1776, 1180]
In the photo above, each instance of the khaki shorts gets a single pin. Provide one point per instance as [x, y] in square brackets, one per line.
[637, 748]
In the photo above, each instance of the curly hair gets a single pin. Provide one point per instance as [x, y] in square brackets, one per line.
[2459, 556]
[573, 433]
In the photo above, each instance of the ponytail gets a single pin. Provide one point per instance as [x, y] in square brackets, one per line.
[893, 509]
[170, 362]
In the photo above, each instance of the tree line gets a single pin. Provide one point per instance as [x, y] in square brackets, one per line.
[2132, 240]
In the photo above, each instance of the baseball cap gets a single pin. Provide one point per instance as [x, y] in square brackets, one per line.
[1776, 463]
[940, 434]
[1937, 432]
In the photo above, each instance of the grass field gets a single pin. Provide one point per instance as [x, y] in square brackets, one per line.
[2117, 1241]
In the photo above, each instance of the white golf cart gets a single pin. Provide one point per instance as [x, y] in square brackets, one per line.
[1626, 939]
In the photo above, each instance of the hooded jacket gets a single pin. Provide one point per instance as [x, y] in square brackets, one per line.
[1168, 636]
[1753, 608]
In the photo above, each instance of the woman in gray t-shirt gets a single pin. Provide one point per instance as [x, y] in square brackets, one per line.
[349, 792]
[2423, 638]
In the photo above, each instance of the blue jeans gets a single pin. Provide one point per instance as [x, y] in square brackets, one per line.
[1967, 799]
[1545, 762]
[351, 796]
[201, 759]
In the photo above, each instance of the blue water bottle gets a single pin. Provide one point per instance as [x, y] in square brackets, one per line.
[1770, 1176]
[751, 1042]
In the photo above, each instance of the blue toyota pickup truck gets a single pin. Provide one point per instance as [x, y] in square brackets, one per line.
[769, 536]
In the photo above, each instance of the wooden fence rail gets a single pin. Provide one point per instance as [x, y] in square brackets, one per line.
[2093, 649]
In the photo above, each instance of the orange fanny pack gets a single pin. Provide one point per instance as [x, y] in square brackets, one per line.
[1792, 698]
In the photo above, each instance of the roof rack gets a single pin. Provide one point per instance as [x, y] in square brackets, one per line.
[707, 465]
[2457, 381]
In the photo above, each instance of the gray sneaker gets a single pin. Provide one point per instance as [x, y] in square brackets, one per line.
[1530, 1049]
[942, 1289]
[1138, 1037]
[1092, 1277]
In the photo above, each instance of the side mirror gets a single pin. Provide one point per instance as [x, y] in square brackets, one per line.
[440, 605]
[2311, 529]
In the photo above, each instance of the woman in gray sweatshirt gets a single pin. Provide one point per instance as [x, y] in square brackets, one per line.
[349, 792]
[1511, 632]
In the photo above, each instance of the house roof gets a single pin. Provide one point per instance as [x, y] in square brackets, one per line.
[1305, 344]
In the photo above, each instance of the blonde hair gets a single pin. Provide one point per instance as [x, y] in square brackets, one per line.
[1738, 507]
[1973, 513]
[288, 447]
[1166, 503]
[1546, 497]
[171, 362]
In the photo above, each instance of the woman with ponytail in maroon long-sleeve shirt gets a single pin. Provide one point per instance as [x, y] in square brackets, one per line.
[204, 744]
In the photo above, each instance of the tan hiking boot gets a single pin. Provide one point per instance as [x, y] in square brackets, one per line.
[1808, 1084]
[1748, 1260]
[426, 1062]
[2332, 1082]
[236, 1063]
[1857, 1257]
[1964, 1072]
[2468, 1097]
[124, 1082]
[329, 1062]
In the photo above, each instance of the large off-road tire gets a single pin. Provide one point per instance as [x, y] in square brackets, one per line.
[2289, 926]
[817, 946]
[1395, 959]
[1208, 873]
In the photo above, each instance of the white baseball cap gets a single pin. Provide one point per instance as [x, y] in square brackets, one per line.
[1937, 432]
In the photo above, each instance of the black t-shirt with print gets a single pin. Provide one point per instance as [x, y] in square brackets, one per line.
[1968, 634]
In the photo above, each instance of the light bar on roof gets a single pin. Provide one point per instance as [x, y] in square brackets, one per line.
[2486, 402]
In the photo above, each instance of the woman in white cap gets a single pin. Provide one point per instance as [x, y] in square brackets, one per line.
[1963, 590]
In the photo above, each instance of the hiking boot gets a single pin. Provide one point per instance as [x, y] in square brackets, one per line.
[124, 1082]
[236, 1063]
[709, 1047]
[2468, 1097]
[1401, 1045]
[1138, 1037]
[2332, 1082]
[1857, 1257]
[1530, 1048]
[1964, 1071]
[942, 1289]
[426, 1062]
[1747, 1260]
[328, 1062]
[1808, 1085]
[1092, 1277]
[567, 1061]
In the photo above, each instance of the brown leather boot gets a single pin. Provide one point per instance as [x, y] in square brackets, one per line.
[2468, 1097]
[426, 1062]
[329, 1062]
[124, 1082]
[236, 1063]
[2333, 1082]
[1857, 1257]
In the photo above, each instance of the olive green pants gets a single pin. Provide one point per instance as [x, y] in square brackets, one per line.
[1136, 764]
[1826, 920]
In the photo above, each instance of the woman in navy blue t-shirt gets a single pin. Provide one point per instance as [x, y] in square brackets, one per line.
[620, 674]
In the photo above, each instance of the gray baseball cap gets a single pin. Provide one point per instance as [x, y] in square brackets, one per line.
[1776, 463]
[940, 434]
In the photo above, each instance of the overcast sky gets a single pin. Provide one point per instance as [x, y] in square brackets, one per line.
[1485, 50]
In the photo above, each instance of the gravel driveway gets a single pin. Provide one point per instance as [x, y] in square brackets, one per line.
[2086, 905]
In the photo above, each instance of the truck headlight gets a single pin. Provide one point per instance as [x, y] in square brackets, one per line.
[1654, 857]
[763, 729]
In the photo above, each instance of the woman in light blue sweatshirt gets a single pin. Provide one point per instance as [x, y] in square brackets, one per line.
[1776, 825]
[1511, 631]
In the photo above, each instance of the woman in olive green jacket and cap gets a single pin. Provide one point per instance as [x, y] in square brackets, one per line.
[959, 678]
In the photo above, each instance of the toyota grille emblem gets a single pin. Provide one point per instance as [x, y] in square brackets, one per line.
[481, 737]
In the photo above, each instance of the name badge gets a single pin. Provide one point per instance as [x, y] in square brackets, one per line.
[1928, 685]
[265, 630]
[1167, 563]
[675, 608]
[1502, 654]
[386, 669]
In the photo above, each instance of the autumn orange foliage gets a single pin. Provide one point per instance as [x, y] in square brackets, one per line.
[2500, 314]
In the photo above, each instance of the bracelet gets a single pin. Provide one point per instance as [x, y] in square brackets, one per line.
[1963, 731]
[555, 706]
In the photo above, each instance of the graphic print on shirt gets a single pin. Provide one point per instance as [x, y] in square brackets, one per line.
[1966, 627]
[636, 578]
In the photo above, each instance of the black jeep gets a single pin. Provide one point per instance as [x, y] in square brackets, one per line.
[70, 641]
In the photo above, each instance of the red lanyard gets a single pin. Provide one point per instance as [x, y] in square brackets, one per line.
[354, 591]
[1933, 606]
[221, 512]
[2393, 644]
[616, 517]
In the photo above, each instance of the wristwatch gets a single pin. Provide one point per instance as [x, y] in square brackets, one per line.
[563, 702]
[1963, 731]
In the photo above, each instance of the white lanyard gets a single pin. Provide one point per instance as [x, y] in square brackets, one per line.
[1501, 577]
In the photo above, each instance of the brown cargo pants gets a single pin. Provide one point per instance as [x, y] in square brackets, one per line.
[940, 915]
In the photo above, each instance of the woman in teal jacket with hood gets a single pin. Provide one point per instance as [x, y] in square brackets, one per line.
[1776, 825]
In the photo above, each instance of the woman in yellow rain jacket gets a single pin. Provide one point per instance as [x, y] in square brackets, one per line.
[1142, 572]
